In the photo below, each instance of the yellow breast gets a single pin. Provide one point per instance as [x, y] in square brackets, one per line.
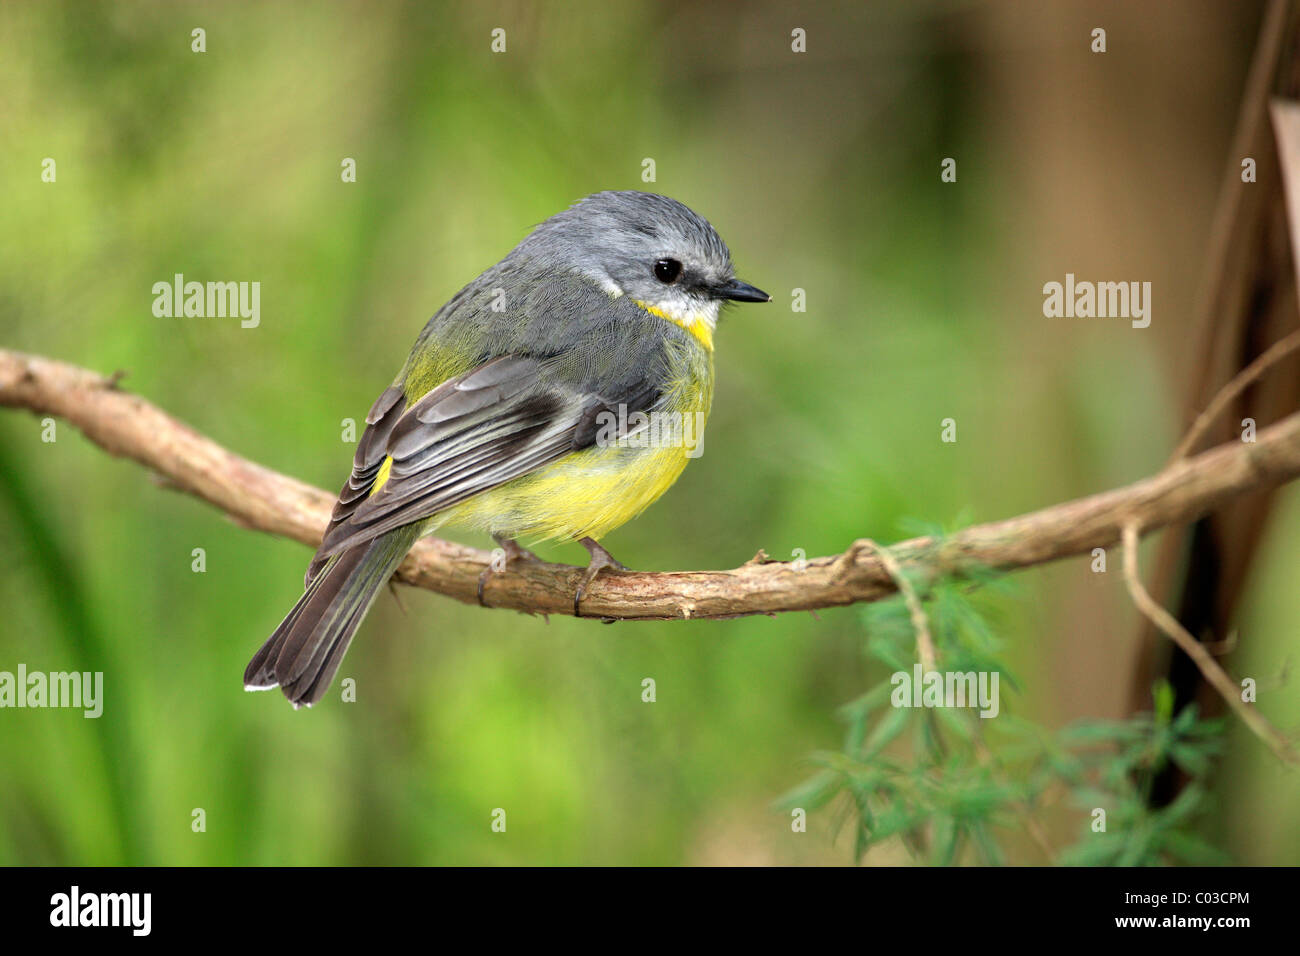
[586, 494]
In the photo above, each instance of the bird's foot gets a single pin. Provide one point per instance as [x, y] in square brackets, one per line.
[513, 554]
[600, 560]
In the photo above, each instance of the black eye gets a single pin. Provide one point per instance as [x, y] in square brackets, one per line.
[667, 270]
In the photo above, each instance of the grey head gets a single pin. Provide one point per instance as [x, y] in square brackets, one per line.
[650, 248]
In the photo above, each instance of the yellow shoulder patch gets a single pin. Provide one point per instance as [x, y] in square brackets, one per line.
[382, 477]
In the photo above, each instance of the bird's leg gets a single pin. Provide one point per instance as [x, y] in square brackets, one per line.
[600, 559]
[513, 553]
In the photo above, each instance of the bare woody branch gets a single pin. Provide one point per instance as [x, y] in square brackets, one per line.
[256, 497]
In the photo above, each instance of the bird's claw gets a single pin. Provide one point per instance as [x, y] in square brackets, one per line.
[514, 553]
[600, 560]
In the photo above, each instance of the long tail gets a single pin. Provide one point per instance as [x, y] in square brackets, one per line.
[303, 654]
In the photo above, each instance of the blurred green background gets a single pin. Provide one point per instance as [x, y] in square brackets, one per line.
[820, 169]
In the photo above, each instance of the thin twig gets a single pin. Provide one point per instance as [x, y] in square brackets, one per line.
[1209, 667]
[924, 643]
[1239, 383]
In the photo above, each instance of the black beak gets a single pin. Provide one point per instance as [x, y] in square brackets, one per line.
[738, 291]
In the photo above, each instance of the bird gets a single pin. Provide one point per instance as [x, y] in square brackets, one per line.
[524, 410]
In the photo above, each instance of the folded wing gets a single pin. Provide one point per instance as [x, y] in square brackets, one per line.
[474, 432]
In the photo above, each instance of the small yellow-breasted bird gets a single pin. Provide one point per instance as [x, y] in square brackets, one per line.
[500, 419]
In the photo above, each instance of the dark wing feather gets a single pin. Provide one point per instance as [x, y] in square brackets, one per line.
[472, 433]
[372, 449]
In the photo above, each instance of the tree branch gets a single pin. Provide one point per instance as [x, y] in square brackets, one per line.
[256, 497]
